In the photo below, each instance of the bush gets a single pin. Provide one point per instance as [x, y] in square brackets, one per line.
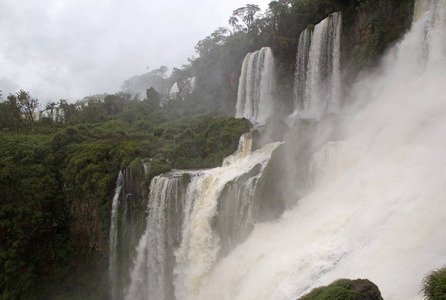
[345, 289]
[157, 168]
[434, 285]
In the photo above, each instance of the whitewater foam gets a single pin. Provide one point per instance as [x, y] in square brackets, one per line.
[377, 208]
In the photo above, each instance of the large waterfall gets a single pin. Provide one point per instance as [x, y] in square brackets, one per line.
[377, 209]
[256, 85]
[376, 205]
[194, 218]
[317, 84]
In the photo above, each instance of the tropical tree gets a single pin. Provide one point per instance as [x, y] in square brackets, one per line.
[245, 14]
[153, 97]
[28, 106]
[215, 39]
[160, 72]
[21, 109]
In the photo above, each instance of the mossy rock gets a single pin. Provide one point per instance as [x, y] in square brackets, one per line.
[346, 289]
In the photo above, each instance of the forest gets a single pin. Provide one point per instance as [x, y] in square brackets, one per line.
[59, 161]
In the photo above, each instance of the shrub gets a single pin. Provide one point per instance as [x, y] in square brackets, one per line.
[345, 289]
[434, 285]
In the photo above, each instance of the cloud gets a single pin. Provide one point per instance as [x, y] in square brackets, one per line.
[70, 49]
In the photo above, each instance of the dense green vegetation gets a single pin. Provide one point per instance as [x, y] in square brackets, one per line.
[434, 285]
[58, 171]
[57, 176]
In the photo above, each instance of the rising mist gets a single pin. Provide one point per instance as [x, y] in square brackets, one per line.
[376, 209]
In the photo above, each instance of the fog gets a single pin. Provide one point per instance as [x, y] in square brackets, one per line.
[376, 208]
[71, 49]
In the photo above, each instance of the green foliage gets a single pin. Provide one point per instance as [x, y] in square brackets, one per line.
[153, 97]
[136, 166]
[245, 14]
[345, 289]
[33, 219]
[157, 167]
[73, 167]
[434, 285]
[18, 113]
[213, 139]
[139, 84]
[382, 23]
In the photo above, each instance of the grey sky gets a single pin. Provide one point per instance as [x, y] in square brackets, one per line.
[74, 48]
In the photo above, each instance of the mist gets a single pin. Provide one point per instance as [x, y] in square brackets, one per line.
[375, 209]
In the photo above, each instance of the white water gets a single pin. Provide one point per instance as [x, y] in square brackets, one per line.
[378, 207]
[256, 85]
[174, 90]
[149, 275]
[200, 245]
[181, 243]
[182, 88]
[243, 149]
[317, 84]
[193, 83]
[114, 233]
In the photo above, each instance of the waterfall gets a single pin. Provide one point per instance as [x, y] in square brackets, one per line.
[181, 88]
[193, 83]
[243, 149]
[152, 272]
[256, 85]
[174, 90]
[192, 216]
[245, 144]
[114, 234]
[376, 209]
[317, 85]
[300, 81]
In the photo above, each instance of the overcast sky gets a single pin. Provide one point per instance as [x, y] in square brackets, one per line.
[75, 48]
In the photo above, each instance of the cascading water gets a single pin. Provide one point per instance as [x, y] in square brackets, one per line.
[377, 207]
[174, 90]
[243, 149]
[256, 85]
[151, 276]
[317, 83]
[182, 88]
[300, 77]
[187, 224]
[114, 234]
